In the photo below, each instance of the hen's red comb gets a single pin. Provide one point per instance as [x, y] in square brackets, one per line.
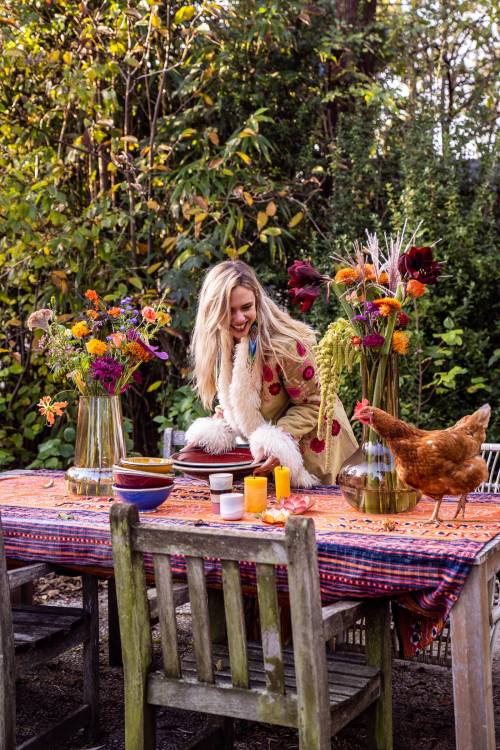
[360, 405]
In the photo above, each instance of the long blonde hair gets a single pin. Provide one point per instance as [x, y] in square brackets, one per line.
[212, 341]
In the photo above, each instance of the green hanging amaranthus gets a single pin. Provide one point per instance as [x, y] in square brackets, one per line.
[334, 354]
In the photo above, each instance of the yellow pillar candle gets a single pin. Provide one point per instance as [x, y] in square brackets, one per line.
[255, 494]
[282, 481]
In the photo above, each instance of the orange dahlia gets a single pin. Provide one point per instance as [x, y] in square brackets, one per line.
[114, 312]
[367, 270]
[92, 296]
[400, 342]
[80, 329]
[387, 305]
[415, 288]
[97, 347]
[346, 276]
[138, 352]
[383, 278]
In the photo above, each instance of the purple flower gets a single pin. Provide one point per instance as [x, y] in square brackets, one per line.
[373, 340]
[372, 308]
[361, 318]
[107, 371]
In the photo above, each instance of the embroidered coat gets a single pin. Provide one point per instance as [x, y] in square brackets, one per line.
[275, 408]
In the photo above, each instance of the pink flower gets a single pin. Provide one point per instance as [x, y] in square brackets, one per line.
[267, 374]
[274, 389]
[335, 428]
[308, 372]
[148, 314]
[317, 445]
[301, 349]
[293, 392]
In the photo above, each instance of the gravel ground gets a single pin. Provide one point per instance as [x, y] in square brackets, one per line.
[422, 704]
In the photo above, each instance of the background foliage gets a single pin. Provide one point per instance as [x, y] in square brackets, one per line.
[142, 142]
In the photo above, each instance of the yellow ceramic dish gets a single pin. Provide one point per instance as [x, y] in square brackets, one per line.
[156, 465]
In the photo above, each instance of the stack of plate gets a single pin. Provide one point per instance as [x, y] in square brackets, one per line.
[195, 462]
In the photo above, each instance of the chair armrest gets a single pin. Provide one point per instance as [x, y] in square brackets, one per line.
[340, 616]
[27, 573]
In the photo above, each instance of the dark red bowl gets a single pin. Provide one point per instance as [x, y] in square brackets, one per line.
[199, 456]
[141, 481]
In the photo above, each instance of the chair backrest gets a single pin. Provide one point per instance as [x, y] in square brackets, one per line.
[295, 549]
[172, 439]
[7, 659]
[491, 454]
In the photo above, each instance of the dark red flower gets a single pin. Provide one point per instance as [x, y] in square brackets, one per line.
[317, 445]
[402, 319]
[308, 372]
[274, 389]
[305, 297]
[303, 274]
[267, 374]
[293, 392]
[418, 263]
[301, 349]
[335, 428]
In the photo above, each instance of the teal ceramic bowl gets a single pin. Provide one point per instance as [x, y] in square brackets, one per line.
[145, 499]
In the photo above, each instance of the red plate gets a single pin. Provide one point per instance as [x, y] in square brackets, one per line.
[199, 456]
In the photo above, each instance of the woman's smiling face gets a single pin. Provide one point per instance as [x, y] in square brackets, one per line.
[243, 312]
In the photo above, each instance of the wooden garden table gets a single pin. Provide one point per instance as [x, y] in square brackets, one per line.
[429, 573]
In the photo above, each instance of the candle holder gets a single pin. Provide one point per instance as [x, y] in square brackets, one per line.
[219, 483]
[232, 506]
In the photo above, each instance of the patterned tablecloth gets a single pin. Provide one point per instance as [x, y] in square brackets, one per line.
[422, 568]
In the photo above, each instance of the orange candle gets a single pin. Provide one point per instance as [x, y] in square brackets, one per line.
[255, 494]
[282, 482]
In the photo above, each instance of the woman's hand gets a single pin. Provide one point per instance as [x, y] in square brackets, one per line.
[269, 464]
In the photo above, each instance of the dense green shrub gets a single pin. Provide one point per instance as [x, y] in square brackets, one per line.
[142, 143]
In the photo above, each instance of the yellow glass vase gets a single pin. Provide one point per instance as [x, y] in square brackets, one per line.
[100, 443]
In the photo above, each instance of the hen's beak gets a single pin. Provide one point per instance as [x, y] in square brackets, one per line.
[355, 418]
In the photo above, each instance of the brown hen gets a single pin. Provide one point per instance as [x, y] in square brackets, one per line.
[436, 462]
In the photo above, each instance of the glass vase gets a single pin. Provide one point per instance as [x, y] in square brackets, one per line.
[368, 479]
[100, 443]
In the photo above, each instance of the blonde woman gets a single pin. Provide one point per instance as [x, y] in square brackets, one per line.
[259, 363]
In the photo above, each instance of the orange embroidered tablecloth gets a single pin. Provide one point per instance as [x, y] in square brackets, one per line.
[423, 568]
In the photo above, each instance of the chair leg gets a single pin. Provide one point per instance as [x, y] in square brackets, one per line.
[114, 640]
[91, 654]
[379, 654]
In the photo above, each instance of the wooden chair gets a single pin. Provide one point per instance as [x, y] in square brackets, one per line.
[302, 687]
[491, 454]
[172, 439]
[33, 634]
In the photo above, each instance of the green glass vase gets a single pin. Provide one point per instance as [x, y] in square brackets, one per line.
[100, 443]
[368, 479]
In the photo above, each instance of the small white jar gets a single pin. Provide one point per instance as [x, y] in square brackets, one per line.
[232, 506]
[219, 483]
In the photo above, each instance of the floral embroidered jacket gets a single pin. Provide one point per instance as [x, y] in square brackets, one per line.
[275, 407]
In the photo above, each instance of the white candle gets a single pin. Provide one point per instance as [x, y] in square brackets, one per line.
[232, 506]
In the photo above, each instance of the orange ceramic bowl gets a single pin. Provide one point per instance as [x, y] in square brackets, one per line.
[149, 464]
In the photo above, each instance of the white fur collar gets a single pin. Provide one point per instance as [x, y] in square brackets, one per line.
[239, 390]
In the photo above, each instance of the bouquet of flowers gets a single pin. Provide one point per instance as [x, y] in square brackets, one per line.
[101, 352]
[375, 287]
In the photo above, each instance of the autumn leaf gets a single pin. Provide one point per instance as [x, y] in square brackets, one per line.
[244, 157]
[213, 137]
[262, 219]
[184, 14]
[296, 219]
[248, 198]
[247, 133]
[271, 208]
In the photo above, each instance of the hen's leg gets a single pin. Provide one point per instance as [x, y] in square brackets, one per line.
[435, 513]
[462, 502]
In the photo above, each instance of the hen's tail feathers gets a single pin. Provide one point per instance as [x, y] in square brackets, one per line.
[484, 414]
